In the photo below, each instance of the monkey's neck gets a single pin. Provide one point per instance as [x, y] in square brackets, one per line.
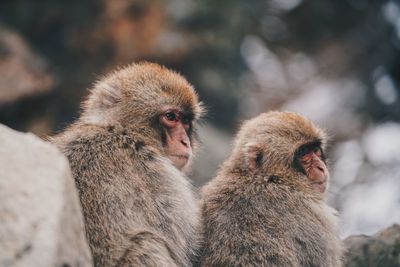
[263, 180]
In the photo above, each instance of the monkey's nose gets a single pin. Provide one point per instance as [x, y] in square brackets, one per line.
[185, 143]
[320, 168]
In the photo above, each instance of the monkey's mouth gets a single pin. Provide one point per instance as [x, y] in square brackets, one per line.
[180, 160]
[319, 186]
[181, 156]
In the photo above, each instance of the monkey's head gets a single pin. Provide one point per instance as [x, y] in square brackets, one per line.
[284, 148]
[158, 105]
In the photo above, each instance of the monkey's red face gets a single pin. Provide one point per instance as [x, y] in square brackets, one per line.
[311, 160]
[177, 128]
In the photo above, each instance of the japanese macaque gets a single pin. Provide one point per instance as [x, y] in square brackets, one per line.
[266, 205]
[127, 152]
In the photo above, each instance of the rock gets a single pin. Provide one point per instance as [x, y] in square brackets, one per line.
[381, 249]
[22, 72]
[41, 223]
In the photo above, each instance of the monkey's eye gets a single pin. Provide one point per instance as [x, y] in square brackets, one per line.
[317, 150]
[171, 116]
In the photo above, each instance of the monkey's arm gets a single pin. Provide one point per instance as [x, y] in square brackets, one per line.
[133, 242]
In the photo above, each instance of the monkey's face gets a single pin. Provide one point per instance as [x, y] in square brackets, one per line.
[177, 129]
[157, 104]
[284, 148]
[309, 159]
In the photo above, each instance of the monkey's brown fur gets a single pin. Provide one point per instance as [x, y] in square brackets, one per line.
[269, 216]
[139, 210]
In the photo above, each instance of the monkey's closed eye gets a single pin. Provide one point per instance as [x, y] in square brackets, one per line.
[307, 149]
[304, 150]
[318, 151]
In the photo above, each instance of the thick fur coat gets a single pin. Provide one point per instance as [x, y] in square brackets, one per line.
[139, 209]
[269, 216]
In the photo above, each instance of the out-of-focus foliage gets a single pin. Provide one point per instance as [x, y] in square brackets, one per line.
[336, 62]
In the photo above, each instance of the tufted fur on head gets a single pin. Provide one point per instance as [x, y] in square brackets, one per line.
[129, 96]
[267, 145]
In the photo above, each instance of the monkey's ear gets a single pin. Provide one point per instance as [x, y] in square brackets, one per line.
[254, 156]
[102, 98]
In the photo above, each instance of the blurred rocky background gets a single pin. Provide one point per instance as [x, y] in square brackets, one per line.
[337, 62]
[380, 249]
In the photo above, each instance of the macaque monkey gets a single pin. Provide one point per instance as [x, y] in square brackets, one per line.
[266, 205]
[128, 152]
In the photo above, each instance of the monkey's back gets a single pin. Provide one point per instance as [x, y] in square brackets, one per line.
[128, 193]
[265, 224]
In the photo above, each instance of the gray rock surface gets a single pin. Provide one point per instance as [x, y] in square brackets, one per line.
[40, 217]
[381, 249]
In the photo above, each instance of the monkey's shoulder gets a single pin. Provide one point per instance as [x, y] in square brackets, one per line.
[262, 202]
[100, 140]
[101, 156]
[243, 193]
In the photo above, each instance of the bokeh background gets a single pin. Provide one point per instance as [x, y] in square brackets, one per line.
[337, 62]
